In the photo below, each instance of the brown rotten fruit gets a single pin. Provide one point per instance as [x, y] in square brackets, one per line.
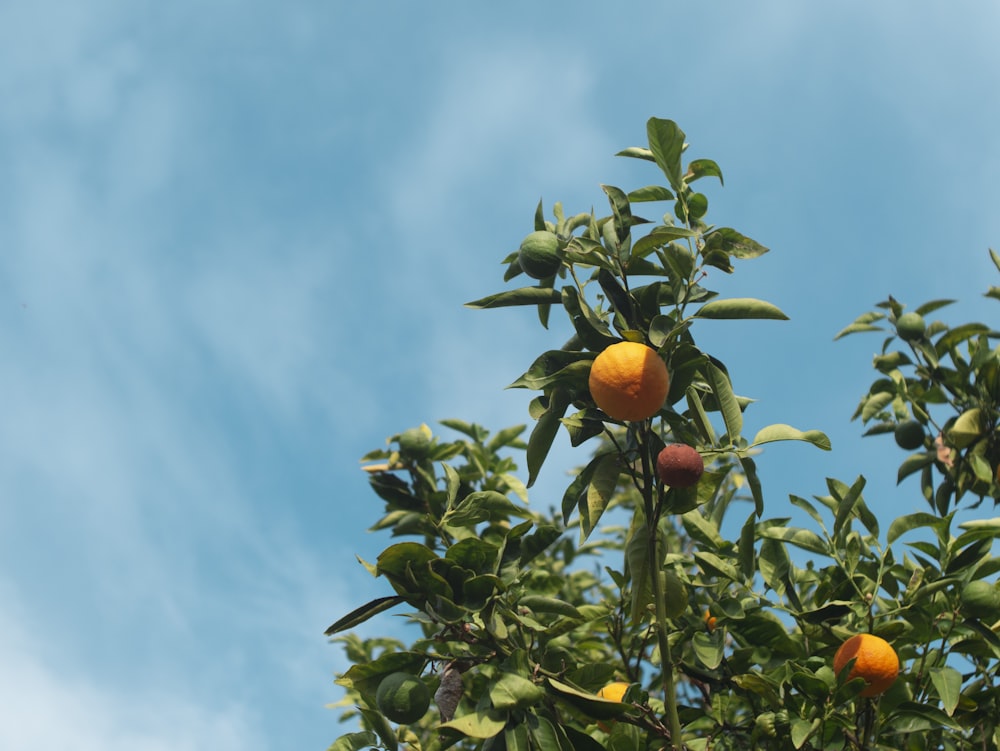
[679, 466]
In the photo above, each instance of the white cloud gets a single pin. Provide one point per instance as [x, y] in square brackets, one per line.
[49, 705]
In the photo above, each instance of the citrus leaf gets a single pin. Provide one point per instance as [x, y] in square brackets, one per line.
[637, 152]
[650, 193]
[482, 724]
[512, 691]
[732, 243]
[666, 142]
[800, 538]
[740, 308]
[781, 432]
[718, 379]
[599, 494]
[355, 741]
[904, 524]
[363, 613]
[545, 431]
[704, 168]
[522, 296]
[948, 683]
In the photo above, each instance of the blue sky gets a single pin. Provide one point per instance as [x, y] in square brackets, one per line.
[235, 240]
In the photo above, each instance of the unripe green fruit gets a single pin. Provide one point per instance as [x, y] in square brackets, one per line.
[910, 326]
[679, 466]
[415, 442]
[539, 255]
[909, 435]
[402, 698]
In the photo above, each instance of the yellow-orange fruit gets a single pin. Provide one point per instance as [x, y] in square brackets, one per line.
[629, 381]
[612, 692]
[874, 660]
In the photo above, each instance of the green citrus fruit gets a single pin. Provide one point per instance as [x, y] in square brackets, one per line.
[679, 466]
[539, 255]
[910, 326]
[415, 442]
[402, 698]
[909, 435]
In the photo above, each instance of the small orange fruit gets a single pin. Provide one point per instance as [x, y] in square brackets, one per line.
[612, 692]
[874, 660]
[629, 381]
[710, 620]
[679, 466]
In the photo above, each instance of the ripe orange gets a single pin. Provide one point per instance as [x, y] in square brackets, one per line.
[612, 692]
[629, 381]
[874, 660]
[710, 620]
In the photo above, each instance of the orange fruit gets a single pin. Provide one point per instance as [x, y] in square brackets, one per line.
[710, 620]
[612, 692]
[874, 660]
[629, 381]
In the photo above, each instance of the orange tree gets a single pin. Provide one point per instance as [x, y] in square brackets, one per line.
[641, 614]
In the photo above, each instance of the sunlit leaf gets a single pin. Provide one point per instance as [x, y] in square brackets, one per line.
[740, 308]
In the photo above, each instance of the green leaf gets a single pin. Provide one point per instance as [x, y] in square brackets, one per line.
[666, 142]
[701, 529]
[378, 722]
[515, 738]
[599, 493]
[746, 550]
[750, 470]
[718, 379]
[802, 730]
[535, 543]
[914, 463]
[544, 432]
[659, 237]
[848, 499]
[708, 649]
[637, 152]
[650, 193]
[781, 432]
[703, 168]
[511, 691]
[856, 328]
[740, 308]
[557, 366]
[354, 741]
[904, 524]
[542, 604]
[732, 243]
[713, 565]
[363, 613]
[522, 296]
[800, 538]
[482, 724]
[948, 683]
[637, 565]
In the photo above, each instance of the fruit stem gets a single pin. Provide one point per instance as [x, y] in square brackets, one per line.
[656, 556]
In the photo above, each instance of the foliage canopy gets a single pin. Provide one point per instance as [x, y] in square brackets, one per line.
[722, 622]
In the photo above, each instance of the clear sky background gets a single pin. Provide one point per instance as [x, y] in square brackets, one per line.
[235, 240]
